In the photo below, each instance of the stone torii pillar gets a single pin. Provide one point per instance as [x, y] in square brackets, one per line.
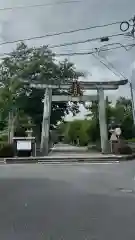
[102, 121]
[44, 146]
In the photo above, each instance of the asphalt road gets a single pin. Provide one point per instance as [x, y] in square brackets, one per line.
[61, 149]
[68, 202]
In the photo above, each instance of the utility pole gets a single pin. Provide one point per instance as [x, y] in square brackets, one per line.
[133, 74]
[132, 33]
[133, 28]
[132, 100]
[132, 95]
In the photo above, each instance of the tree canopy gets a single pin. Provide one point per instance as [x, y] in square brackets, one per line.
[25, 66]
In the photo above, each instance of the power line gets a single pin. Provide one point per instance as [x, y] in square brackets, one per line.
[39, 5]
[91, 52]
[111, 65]
[83, 29]
[79, 53]
[116, 74]
[85, 41]
[61, 33]
[67, 32]
[59, 45]
[123, 76]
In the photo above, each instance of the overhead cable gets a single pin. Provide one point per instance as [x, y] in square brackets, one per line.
[59, 45]
[91, 52]
[77, 53]
[109, 68]
[85, 41]
[39, 5]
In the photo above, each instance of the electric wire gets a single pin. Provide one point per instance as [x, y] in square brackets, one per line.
[78, 53]
[39, 5]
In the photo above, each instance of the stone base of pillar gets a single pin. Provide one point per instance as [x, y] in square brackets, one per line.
[107, 148]
[45, 148]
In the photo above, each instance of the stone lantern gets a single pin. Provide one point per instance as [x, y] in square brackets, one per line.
[29, 132]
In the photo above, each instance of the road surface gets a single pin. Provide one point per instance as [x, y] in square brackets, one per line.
[70, 202]
[61, 149]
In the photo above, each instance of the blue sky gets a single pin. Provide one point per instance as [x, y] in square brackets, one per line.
[22, 23]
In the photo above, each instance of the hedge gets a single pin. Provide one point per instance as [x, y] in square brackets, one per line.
[131, 140]
[6, 150]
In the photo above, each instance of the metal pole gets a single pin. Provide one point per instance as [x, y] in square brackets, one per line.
[131, 83]
[132, 101]
[133, 29]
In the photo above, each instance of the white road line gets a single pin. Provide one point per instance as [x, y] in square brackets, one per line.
[98, 163]
[64, 163]
[75, 164]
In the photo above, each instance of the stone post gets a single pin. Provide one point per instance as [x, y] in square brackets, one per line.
[44, 147]
[102, 121]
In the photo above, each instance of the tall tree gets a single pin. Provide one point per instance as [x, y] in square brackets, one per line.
[77, 132]
[37, 65]
[118, 114]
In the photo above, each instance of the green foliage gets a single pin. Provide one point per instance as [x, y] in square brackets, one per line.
[4, 137]
[88, 130]
[76, 130]
[3, 125]
[6, 150]
[131, 140]
[20, 132]
[25, 66]
[120, 113]
[83, 136]
[93, 131]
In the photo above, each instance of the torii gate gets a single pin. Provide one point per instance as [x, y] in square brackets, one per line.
[77, 96]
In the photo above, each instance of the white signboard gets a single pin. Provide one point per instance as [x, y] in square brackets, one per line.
[24, 145]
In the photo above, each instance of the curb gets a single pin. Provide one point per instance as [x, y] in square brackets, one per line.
[129, 157]
[69, 159]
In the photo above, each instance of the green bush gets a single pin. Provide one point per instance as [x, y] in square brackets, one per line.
[94, 131]
[2, 144]
[131, 140]
[6, 150]
[20, 132]
[77, 130]
[3, 138]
